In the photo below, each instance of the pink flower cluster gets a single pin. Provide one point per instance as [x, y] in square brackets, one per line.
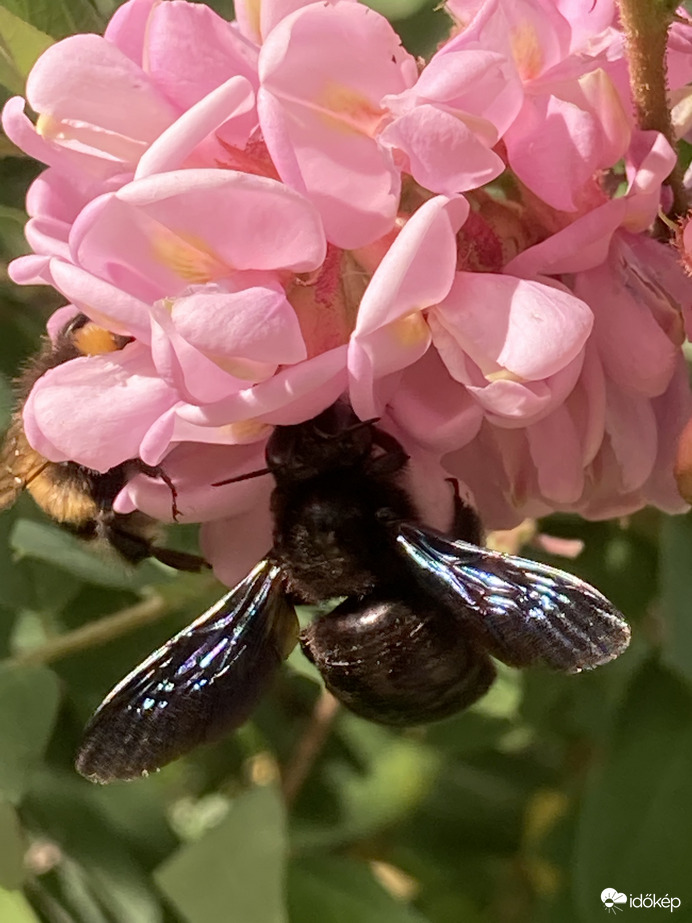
[290, 207]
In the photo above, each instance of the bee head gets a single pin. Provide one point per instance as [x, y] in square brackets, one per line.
[334, 439]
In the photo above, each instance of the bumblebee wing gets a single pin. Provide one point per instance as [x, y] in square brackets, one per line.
[203, 682]
[19, 464]
[521, 611]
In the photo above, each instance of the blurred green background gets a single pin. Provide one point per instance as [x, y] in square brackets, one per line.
[522, 809]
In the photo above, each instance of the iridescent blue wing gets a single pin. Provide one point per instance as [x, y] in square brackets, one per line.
[202, 683]
[520, 611]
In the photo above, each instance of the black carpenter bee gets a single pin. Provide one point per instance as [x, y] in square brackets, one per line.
[76, 497]
[411, 643]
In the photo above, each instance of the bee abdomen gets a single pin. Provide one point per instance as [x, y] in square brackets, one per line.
[397, 662]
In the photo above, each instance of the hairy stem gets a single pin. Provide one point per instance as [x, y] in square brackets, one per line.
[646, 24]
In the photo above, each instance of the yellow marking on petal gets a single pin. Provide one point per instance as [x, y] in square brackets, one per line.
[189, 256]
[245, 431]
[253, 13]
[527, 52]
[503, 375]
[244, 369]
[348, 111]
[49, 127]
[410, 329]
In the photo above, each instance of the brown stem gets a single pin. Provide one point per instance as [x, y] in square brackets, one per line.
[646, 24]
[309, 746]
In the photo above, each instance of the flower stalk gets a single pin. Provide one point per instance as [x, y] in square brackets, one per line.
[647, 24]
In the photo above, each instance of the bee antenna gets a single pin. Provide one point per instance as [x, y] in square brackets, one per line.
[354, 428]
[242, 477]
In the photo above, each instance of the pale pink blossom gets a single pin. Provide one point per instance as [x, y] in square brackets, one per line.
[391, 331]
[573, 113]
[344, 114]
[98, 110]
[287, 209]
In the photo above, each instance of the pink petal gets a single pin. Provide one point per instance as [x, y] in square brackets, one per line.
[548, 127]
[294, 394]
[529, 329]
[635, 352]
[581, 245]
[121, 390]
[516, 404]
[127, 28]
[256, 324]
[195, 377]
[58, 319]
[390, 331]
[433, 408]
[193, 468]
[476, 83]
[22, 132]
[48, 236]
[223, 106]
[402, 281]
[105, 304]
[323, 72]
[163, 232]
[444, 154]
[556, 452]
[631, 428]
[587, 405]
[424, 479]
[170, 428]
[191, 51]
[105, 98]
[649, 161]
[31, 270]
[532, 32]
[233, 546]
[672, 410]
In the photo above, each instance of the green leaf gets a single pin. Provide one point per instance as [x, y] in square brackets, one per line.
[56, 546]
[336, 890]
[12, 243]
[236, 870]
[29, 698]
[17, 589]
[20, 45]
[58, 17]
[13, 848]
[634, 828]
[676, 593]
[14, 908]
[103, 875]
[386, 778]
[398, 9]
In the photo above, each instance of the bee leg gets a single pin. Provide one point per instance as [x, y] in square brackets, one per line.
[466, 524]
[393, 459]
[180, 560]
[156, 471]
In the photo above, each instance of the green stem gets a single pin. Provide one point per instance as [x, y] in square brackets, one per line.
[646, 24]
[109, 627]
[309, 746]
[96, 633]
